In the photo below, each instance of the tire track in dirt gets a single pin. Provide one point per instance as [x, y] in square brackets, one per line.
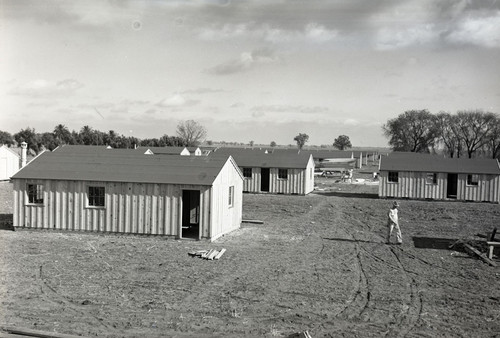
[413, 310]
[51, 295]
[412, 307]
[359, 299]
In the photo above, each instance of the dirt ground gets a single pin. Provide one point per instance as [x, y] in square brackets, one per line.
[318, 263]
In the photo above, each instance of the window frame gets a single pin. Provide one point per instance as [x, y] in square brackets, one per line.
[38, 194]
[93, 197]
[245, 172]
[470, 180]
[431, 180]
[390, 177]
[231, 196]
[282, 176]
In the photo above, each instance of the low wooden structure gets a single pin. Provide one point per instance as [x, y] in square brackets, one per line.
[273, 172]
[125, 191]
[423, 176]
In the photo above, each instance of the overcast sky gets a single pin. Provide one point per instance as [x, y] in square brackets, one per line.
[257, 71]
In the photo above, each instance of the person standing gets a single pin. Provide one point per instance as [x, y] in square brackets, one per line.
[393, 223]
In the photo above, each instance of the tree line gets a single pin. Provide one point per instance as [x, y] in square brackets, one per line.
[189, 133]
[467, 133]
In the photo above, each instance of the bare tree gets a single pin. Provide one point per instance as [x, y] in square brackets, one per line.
[414, 131]
[447, 134]
[191, 132]
[473, 127]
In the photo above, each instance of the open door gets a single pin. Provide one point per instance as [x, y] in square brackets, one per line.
[264, 179]
[190, 214]
[451, 191]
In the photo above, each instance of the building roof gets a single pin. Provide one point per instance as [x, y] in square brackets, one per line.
[245, 157]
[124, 166]
[9, 151]
[163, 150]
[437, 164]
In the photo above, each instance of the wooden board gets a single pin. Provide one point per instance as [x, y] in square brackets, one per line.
[22, 332]
[474, 251]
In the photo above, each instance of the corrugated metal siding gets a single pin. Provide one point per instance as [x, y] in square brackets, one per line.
[413, 185]
[225, 218]
[129, 207]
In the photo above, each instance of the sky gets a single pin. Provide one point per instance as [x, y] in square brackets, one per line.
[262, 71]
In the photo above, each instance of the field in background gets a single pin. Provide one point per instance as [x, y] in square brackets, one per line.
[318, 263]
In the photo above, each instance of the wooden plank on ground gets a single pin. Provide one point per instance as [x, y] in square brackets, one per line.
[254, 221]
[474, 251]
[219, 255]
[212, 254]
[35, 333]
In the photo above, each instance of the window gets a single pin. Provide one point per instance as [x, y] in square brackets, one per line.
[231, 196]
[283, 174]
[96, 196]
[35, 193]
[472, 179]
[247, 172]
[431, 178]
[393, 177]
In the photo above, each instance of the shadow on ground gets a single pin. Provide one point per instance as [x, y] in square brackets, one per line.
[346, 194]
[433, 243]
[6, 222]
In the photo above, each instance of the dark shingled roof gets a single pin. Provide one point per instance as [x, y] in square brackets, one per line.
[257, 158]
[120, 165]
[437, 164]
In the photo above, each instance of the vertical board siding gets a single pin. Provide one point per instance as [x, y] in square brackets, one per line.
[129, 207]
[413, 185]
[225, 218]
[299, 181]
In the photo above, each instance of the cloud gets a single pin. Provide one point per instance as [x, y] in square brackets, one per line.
[43, 88]
[202, 91]
[480, 31]
[287, 113]
[392, 38]
[310, 32]
[177, 100]
[245, 62]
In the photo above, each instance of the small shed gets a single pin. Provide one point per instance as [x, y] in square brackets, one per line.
[128, 192]
[423, 176]
[9, 162]
[275, 173]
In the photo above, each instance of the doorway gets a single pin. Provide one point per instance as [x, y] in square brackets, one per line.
[264, 179]
[190, 214]
[451, 191]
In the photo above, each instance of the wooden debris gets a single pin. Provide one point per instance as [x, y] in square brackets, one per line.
[254, 221]
[22, 332]
[492, 236]
[471, 250]
[219, 255]
[208, 254]
[212, 254]
[197, 253]
[491, 247]
[304, 334]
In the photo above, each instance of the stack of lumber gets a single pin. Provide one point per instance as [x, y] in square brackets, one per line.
[208, 254]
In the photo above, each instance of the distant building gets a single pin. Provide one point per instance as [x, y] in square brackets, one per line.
[275, 173]
[10, 162]
[423, 176]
